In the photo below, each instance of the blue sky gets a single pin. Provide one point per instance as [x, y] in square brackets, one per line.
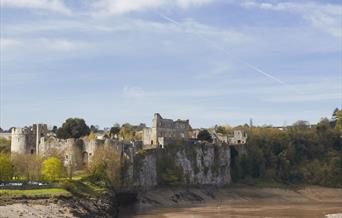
[210, 61]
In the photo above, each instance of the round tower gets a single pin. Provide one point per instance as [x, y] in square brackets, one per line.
[19, 140]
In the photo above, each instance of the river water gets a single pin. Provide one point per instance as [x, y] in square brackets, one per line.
[244, 210]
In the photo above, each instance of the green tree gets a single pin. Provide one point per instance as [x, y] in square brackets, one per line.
[5, 145]
[114, 131]
[51, 168]
[73, 128]
[333, 118]
[54, 129]
[94, 128]
[6, 168]
[256, 161]
[224, 129]
[339, 120]
[334, 114]
[168, 172]
[323, 125]
[220, 129]
[105, 166]
[126, 132]
[301, 124]
[204, 135]
[298, 154]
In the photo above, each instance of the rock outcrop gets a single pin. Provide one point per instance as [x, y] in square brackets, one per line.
[199, 164]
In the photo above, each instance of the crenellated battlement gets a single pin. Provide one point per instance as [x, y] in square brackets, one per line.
[21, 131]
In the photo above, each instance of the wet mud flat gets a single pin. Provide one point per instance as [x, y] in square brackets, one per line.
[237, 202]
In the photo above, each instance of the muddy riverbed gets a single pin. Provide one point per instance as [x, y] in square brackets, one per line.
[237, 202]
[252, 210]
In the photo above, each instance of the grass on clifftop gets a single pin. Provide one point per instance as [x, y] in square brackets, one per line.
[83, 188]
[49, 192]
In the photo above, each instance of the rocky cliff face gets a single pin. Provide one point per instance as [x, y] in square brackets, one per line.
[145, 170]
[202, 164]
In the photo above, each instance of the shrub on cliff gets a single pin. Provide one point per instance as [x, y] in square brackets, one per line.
[204, 135]
[168, 172]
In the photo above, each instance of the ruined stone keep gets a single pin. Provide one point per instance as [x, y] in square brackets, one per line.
[165, 131]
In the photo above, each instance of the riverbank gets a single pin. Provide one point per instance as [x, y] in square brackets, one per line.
[234, 200]
[240, 200]
[59, 206]
[70, 199]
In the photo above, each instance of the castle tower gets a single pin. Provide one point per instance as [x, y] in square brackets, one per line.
[26, 140]
[20, 140]
[39, 131]
[155, 127]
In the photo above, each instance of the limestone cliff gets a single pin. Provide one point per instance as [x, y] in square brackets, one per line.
[198, 164]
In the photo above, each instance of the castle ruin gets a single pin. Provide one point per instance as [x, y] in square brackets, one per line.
[26, 140]
[36, 139]
[165, 131]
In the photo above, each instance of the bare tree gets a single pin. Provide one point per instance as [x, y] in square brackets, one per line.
[27, 166]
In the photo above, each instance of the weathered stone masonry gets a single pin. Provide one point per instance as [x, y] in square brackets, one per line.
[165, 131]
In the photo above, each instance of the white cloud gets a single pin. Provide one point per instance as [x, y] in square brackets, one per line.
[327, 17]
[24, 46]
[118, 7]
[189, 3]
[9, 43]
[51, 5]
[190, 27]
[62, 44]
[230, 36]
[183, 93]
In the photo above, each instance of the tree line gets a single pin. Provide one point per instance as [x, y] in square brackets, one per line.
[104, 166]
[302, 153]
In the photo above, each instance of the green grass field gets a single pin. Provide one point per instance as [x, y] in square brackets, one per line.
[34, 192]
[79, 186]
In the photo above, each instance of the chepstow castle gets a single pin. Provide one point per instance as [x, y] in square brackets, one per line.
[37, 139]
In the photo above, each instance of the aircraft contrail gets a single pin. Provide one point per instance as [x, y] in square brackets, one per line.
[257, 69]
